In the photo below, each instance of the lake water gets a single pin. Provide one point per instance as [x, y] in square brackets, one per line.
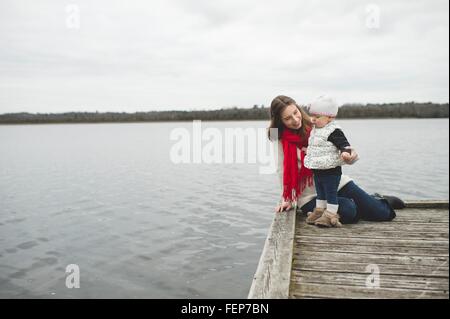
[108, 198]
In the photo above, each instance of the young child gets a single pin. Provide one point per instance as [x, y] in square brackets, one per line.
[326, 144]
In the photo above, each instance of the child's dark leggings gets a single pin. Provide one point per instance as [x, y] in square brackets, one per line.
[327, 187]
[355, 203]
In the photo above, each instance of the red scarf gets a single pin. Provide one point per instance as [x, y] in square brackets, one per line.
[294, 181]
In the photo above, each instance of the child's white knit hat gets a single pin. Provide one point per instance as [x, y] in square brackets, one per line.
[324, 105]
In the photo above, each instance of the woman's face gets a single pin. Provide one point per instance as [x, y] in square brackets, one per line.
[291, 117]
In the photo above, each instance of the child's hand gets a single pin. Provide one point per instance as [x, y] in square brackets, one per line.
[346, 156]
[351, 157]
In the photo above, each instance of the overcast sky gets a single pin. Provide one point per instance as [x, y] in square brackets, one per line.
[85, 55]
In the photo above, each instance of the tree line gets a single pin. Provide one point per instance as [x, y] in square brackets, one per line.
[386, 110]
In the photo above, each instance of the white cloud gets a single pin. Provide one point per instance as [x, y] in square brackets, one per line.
[185, 54]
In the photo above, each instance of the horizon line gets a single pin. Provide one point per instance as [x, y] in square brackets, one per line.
[220, 109]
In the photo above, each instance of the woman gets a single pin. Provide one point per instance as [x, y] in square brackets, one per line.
[293, 127]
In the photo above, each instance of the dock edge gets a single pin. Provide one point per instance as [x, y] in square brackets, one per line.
[273, 274]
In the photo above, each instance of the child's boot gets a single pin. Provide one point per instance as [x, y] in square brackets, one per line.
[314, 215]
[328, 219]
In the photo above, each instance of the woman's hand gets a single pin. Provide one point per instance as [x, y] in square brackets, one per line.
[351, 157]
[284, 206]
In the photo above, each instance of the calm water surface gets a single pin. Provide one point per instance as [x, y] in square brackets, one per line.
[108, 198]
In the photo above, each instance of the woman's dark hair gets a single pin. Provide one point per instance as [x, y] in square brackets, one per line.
[276, 108]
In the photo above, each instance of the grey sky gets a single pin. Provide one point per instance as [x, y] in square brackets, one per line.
[204, 54]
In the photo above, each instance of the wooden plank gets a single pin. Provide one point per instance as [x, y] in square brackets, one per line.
[425, 220]
[340, 291]
[388, 269]
[423, 211]
[383, 242]
[443, 204]
[370, 258]
[272, 277]
[372, 228]
[385, 235]
[375, 250]
[359, 280]
[414, 219]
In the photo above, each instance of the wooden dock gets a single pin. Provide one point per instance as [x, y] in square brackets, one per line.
[404, 258]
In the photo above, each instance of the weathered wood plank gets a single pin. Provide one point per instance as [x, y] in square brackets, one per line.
[362, 233]
[374, 228]
[370, 258]
[340, 291]
[381, 242]
[423, 211]
[416, 218]
[272, 277]
[360, 280]
[442, 204]
[389, 269]
[423, 221]
[365, 239]
[405, 235]
[375, 250]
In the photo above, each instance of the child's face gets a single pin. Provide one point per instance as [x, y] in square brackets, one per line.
[321, 120]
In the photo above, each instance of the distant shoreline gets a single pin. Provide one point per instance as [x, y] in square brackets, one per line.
[257, 113]
[209, 121]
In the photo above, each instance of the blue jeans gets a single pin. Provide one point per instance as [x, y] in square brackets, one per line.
[327, 187]
[355, 204]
